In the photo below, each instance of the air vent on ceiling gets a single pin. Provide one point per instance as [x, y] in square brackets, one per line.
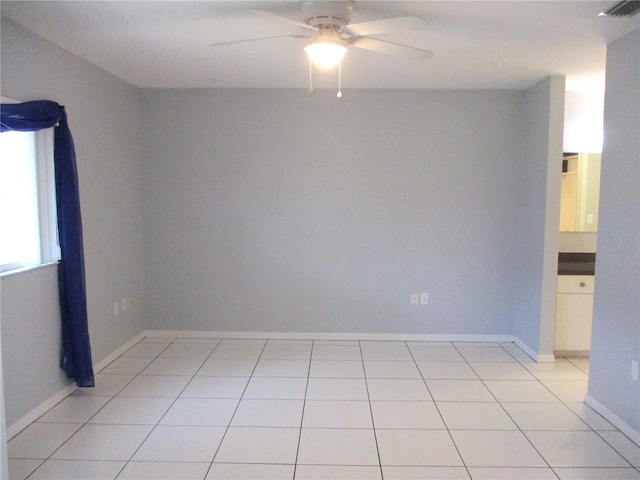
[626, 8]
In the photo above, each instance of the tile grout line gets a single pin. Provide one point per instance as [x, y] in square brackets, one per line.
[136, 376]
[373, 422]
[304, 404]
[213, 459]
[178, 396]
[101, 408]
[539, 381]
[507, 413]
[616, 450]
[562, 402]
[111, 397]
[172, 403]
[435, 404]
[362, 361]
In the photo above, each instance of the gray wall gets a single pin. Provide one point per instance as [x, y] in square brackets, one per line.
[616, 317]
[30, 340]
[283, 210]
[538, 237]
[104, 120]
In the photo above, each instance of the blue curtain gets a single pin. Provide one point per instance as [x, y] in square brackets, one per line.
[76, 348]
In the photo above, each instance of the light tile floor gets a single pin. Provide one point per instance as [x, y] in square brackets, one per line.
[191, 408]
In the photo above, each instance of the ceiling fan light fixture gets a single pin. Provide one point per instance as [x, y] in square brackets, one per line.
[327, 49]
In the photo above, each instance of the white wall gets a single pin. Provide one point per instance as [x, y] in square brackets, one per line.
[583, 121]
[541, 153]
[283, 210]
[104, 119]
[616, 310]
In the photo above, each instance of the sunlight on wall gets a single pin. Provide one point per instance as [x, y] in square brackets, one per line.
[583, 116]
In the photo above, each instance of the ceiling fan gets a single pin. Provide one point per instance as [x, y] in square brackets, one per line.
[331, 33]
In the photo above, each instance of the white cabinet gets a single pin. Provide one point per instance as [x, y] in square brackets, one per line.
[574, 312]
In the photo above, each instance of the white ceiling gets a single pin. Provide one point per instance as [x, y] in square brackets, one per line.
[476, 44]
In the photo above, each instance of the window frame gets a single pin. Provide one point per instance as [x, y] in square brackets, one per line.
[47, 221]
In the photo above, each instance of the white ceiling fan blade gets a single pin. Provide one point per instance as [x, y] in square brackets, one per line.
[278, 18]
[390, 48]
[387, 25]
[247, 40]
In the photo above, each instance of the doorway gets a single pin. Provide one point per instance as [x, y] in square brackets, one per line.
[579, 210]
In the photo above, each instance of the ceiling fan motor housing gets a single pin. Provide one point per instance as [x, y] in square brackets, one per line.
[318, 13]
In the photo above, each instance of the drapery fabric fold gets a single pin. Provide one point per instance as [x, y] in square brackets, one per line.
[76, 347]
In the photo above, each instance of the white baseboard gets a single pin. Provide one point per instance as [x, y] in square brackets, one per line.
[110, 358]
[539, 358]
[51, 402]
[398, 337]
[616, 421]
[40, 410]
[550, 358]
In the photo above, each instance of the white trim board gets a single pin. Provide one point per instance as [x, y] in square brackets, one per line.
[539, 358]
[51, 402]
[40, 410]
[110, 358]
[616, 421]
[398, 337]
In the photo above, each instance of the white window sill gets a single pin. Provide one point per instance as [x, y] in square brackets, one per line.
[27, 269]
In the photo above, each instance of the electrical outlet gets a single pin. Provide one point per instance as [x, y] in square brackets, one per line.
[634, 369]
[129, 303]
[424, 298]
[415, 299]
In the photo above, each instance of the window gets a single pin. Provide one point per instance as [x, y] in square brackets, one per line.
[28, 227]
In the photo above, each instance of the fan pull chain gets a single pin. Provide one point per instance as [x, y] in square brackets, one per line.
[310, 70]
[339, 79]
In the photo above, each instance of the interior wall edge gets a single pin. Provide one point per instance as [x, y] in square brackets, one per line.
[538, 357]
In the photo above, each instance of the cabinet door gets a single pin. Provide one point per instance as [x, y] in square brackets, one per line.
[573, 321]
[582, 284]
